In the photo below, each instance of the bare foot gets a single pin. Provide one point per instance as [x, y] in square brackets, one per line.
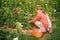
[50, 30]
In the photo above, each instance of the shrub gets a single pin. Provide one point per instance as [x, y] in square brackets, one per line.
[22, 11]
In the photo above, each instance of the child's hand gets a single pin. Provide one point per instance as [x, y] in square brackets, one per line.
[29, 21]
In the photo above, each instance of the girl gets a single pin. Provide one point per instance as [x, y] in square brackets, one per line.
[42, 20]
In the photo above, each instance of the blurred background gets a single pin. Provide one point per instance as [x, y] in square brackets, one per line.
[15, 14]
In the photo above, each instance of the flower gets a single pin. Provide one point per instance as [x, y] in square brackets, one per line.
[54, 10]
[46, 4]
[20, 2]
[41, 0]
[19, 24]
[30, 2]
[37, 5]
[16, 38]
[5, 2]
[30, 14]
[27, 12]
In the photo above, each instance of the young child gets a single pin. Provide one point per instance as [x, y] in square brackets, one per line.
[42, 20]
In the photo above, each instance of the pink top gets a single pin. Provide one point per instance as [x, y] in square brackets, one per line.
[41, 17]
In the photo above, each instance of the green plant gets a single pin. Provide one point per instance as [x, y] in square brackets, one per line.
[23, 10]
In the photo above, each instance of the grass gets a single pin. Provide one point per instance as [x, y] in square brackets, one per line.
[56, 32]
[55, 35]
[25, 8]
[10, 35]
[27, 37]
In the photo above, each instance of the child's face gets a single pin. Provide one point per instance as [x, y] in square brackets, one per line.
[38, 11]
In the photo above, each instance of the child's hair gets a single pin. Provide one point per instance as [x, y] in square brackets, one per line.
[38, 8]
[44, 12]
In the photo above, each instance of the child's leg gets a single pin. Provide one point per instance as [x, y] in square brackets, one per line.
[49, 30]
[40, 25]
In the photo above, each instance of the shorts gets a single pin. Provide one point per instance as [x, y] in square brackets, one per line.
[40, 23]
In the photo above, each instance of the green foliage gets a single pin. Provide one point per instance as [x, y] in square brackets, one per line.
[27, 37]
[6, 35]
[12, 11]
[22, 11]
[56, 33]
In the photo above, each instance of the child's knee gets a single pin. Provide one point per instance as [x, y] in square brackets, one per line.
[37, 23]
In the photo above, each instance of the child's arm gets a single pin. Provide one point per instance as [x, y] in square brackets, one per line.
[35, 19]
[32, 21]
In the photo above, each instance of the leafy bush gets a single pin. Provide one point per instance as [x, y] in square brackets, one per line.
[12, 11]
[6, 35]
[22, 11]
